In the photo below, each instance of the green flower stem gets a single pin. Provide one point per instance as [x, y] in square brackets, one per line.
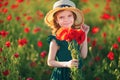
[76, 73]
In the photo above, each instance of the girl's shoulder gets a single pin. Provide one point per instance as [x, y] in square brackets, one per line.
[51, 37]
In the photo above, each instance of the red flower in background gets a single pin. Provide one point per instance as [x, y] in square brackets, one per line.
[1, 21]
[118, 39]
[14, 6]
[6, 72]
[29, 78]
[70, 34]
[40, 14]
[33, 64]
[104, 34]
[5, 10]
[0, 49]
[94, 42]
[17, 18]
[95, 30]
[119, 15]
[110, 55]
[43, 54]
[27, 30]
[6, 3]
[3, 33]
[20, 1]
[9, 17]
[40, 44]
[105, 16]
[28, 18]
[8, 44]
[22, 42]
[97, 58]
[16, 55]
[36, 30]
[86, 1]
[115, 46]
[97, 78]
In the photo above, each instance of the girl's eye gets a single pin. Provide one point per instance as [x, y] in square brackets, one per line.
[70, 15]
[61, 17]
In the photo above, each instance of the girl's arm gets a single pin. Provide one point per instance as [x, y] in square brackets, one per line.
[84, 47]
[51, 57]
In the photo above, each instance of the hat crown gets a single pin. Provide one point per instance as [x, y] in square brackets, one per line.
[63, 3]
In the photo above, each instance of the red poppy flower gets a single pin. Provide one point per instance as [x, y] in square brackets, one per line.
[115, 46]
[14, 6]
[105, 16]
[6, 72]
[28, 18]
[9, 17]
[17, 18]
[3, 33]
[97, 58]
[29, 78]
[16, 55]
[97, 78]
[95, 30]
[8, 44]
[40, 44]
[110, 55]
[20, 1]
[6, 3]
[119, 15]
[94, 42]
[118, 39]
[22, 42]
[33, 64]
[104, 34]
[43, 54]
[5, 10]
[1, 21]
[36, 30]
[27, 30]
[0, 49]
[69, 34]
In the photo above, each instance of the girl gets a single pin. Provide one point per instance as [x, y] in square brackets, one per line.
[65, 15]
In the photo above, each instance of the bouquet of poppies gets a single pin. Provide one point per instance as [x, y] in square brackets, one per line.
[75, 38]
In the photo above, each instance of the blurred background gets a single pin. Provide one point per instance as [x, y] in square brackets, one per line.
[24, 47]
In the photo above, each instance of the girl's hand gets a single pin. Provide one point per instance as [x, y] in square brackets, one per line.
[85, 28]
[72, 63]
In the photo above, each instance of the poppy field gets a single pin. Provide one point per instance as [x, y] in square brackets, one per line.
[24, 46]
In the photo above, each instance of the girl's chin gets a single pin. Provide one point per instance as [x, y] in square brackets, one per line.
[66, 26]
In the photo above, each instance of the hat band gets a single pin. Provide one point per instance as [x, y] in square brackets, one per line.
[64, 5]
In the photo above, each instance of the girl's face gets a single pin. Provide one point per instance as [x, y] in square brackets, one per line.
[65, 19]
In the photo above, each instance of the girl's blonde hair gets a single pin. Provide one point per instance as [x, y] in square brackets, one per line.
[56, 26]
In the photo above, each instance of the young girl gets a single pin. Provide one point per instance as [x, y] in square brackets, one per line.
[65, 15]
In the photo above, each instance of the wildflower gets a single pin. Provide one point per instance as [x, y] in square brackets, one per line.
[22, 42]
[6, 72]
[95, 30]
[40, 44]
[110, 55]
[43, 54]
[115, 46]
[16, 55]
[8, 44]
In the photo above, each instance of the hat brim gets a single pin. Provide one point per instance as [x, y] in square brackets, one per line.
[79, 16]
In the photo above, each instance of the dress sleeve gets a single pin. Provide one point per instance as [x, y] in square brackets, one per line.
[51, 37]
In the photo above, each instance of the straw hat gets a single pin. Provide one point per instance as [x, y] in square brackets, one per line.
[64, 5]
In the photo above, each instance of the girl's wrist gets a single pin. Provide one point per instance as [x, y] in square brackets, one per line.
[65, 64]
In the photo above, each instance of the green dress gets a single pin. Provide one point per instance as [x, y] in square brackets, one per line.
[63, 54]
